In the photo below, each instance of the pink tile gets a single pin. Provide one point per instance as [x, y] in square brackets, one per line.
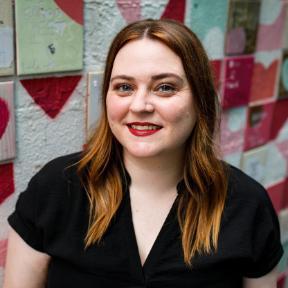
[258, 126]
[237, 81]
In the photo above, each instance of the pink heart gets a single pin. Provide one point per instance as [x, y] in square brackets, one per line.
[130, 9]
[4, 116]
[51, 93]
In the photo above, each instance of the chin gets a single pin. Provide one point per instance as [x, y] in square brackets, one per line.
[142, 153]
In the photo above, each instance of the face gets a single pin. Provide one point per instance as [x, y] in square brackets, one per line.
[149, 102]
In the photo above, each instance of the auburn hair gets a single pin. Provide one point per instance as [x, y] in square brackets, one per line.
[201, 204]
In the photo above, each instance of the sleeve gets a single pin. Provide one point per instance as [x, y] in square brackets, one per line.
[266, 248]
[24, 218]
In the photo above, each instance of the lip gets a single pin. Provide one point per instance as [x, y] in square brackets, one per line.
[143, 133]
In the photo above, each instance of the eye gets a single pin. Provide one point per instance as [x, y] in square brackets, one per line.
[123, 89]
[166, 88]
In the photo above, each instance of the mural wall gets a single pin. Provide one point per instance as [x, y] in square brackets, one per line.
[50, 85]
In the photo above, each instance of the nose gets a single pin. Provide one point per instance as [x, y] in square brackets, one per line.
[141, 102]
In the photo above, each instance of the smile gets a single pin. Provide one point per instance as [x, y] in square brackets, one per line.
[143, 129]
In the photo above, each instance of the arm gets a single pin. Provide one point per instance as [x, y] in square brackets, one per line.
[25, 267]
[267, 281]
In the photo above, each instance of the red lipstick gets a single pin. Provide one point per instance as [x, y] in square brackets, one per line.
[143, 129]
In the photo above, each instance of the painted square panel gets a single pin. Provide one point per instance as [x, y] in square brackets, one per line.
[278, 148]
[276, 163]
[7, 122]
[232, 134]
[49, 36]
[208, 20]
[237, 81]
[242, 27]
[276, 193]
[258, 128]
[265, 76]
[271, 25]
[6, 38]
[93, 99]
[254, 162]
[283, 83]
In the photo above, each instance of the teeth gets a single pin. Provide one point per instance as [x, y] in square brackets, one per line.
[146, 127]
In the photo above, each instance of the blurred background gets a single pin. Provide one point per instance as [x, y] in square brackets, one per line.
[52, 55]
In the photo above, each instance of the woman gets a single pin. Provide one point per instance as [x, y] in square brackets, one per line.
[148, 203]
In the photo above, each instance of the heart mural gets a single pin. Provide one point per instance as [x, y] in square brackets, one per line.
[175, 9]
[130, 9]
[4, 116]
[72, 8]
[51, 93]
[6, 181]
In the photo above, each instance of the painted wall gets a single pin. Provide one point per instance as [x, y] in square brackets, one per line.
[54, 107]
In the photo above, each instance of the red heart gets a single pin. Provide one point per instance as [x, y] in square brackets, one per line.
[72, 8]
[6, 181]
[51, 93]
[4, 116]
[175, 9]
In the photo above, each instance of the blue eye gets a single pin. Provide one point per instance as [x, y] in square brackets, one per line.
[166, 88]
[124, 88]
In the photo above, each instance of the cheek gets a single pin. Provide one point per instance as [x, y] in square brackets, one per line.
[182, 114]
[116, 108]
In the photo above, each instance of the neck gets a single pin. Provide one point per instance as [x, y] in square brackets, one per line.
[155, 175]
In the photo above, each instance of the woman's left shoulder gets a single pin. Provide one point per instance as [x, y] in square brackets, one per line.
[244, 188]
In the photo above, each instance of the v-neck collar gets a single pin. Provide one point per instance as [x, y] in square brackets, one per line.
[167, 233]
[142, 272]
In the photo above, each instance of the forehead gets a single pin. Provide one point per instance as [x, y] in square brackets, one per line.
[147, 56]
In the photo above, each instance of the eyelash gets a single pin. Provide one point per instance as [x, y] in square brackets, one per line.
[163, 88]
[166, 85]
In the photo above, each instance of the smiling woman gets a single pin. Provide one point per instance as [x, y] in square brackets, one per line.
[148, 203]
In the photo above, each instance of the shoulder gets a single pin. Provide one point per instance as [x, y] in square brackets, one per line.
[247, 200]
[251, 224]
[242, 186]
[56, 184]
[60, 169]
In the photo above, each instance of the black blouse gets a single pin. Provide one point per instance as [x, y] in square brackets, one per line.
[52, 217]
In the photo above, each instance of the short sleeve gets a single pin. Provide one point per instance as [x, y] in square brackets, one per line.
[24, 218]
[266, 248]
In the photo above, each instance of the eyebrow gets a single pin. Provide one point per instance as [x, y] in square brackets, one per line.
[153, 77]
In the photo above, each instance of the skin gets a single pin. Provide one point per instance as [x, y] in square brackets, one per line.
[148, 84]
[147, 159]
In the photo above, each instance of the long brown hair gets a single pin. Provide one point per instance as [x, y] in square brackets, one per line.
[201, 205]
